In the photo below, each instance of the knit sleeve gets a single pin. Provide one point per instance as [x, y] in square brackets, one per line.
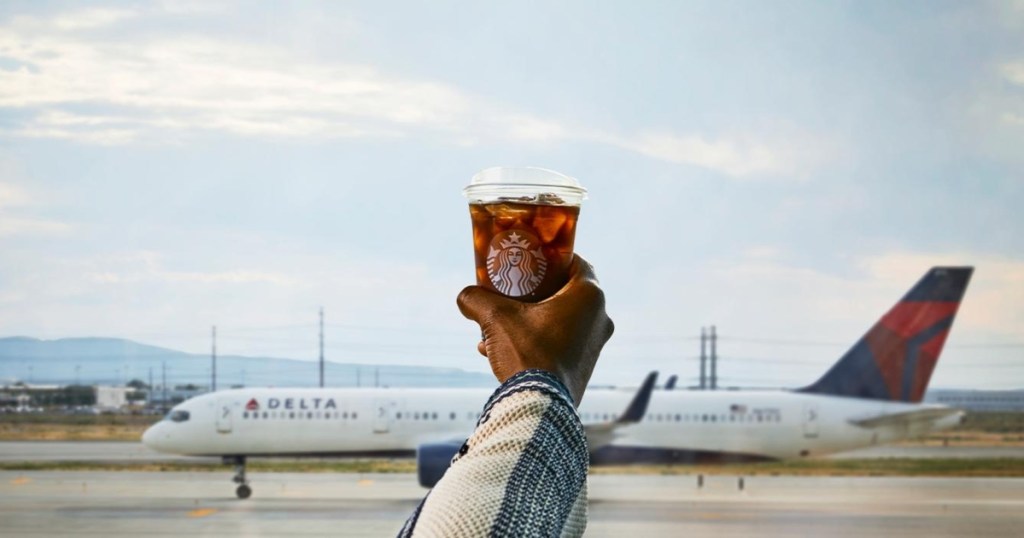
[523, 472]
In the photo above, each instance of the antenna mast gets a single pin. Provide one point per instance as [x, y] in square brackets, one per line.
[321, 347]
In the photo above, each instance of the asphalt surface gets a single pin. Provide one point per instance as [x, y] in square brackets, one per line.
[202, 504]
[99, 451]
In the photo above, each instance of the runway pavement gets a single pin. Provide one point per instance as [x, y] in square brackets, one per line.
[202, 504]
[136, 452]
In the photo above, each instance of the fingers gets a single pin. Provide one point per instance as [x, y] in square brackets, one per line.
[479, 304]
[582, 269]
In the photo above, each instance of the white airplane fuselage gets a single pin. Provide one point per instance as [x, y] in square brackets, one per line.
[755, 424]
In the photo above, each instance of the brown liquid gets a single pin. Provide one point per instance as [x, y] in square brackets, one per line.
[523, 250]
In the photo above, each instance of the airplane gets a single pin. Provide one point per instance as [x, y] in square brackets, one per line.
[871, 395]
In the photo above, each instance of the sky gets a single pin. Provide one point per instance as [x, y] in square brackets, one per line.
[782, 170]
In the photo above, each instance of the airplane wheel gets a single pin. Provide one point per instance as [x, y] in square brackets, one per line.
[243, 491]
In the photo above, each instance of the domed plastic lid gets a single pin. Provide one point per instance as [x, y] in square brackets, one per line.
[525, 185]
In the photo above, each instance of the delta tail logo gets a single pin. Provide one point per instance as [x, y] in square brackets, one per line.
[515, 265]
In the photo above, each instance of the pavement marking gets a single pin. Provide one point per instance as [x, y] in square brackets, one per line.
[365, 482]
[202, 512]
[20, 481]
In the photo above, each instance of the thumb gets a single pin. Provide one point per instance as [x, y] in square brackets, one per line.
[479, 304]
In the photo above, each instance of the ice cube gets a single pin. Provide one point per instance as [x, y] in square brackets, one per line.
[548, 222]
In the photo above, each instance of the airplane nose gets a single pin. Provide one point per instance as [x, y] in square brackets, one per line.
[151, 437]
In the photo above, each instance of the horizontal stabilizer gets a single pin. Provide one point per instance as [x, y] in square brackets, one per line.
[904, 418]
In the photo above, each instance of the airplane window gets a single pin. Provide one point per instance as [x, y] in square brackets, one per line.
[179, 416]
[354, 416]
[433, 416]
[679, 418]
[309, 415]
[453, 416]
[704, 418]
[344, 415]
[415, 416]
[291, 415]
[245, 414]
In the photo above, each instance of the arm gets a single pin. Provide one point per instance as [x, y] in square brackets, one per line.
[522, 472]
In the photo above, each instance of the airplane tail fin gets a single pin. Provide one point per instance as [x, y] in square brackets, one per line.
[895, 359]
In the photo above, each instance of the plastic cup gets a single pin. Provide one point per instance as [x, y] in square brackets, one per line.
[524, 227]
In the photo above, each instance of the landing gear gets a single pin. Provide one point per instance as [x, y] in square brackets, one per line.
[243, 491]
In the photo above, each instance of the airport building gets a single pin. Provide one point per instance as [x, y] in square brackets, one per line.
[24, 397]
[978, 400]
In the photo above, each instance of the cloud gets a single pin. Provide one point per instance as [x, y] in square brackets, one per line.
[994, 303]
[147, 266]
[80, 87]
[12, 195]
[734, 157]
[1013, 72]
[91, 18]
[17, 226]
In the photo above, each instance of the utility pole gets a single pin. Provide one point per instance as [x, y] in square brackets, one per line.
[321, 347]
[703, 358]
[163, 384]
[714, 359]
[213, 367]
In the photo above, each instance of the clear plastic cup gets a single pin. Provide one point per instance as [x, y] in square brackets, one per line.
[524, 227]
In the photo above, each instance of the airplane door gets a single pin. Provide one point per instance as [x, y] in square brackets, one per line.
[810, 420]
[382, 414]
[224, 411]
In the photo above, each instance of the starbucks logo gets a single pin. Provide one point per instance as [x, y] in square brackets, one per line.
[515, 263]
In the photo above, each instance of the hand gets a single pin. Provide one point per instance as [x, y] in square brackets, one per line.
[562, 334]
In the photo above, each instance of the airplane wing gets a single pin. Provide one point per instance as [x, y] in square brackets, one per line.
[927, 414]
[602, 433]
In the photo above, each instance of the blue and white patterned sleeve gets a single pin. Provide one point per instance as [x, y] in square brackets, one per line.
[523, 472]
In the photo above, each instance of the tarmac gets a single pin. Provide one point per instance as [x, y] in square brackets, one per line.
[104, 451]
[52, 503]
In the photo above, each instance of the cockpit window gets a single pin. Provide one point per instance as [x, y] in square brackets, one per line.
[178, 415]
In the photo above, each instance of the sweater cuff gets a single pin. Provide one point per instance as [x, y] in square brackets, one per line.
[527, 380]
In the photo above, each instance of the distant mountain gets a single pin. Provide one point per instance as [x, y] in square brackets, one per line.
[117, 361]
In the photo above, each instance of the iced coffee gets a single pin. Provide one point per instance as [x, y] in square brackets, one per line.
[524, 226]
